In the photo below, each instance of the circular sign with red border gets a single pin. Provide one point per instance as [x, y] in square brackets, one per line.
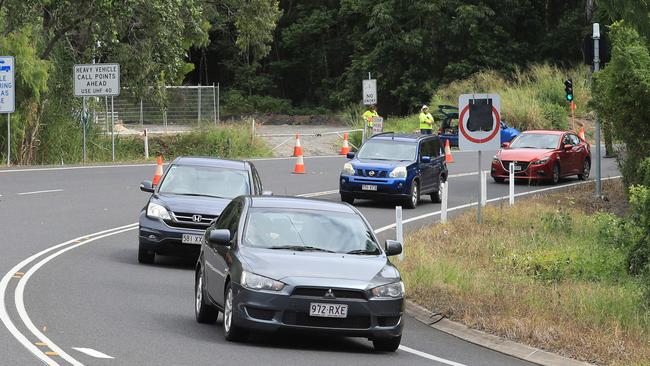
[461, 126]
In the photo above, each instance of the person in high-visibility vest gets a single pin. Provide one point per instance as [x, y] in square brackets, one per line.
[370, 114]
[426, 121]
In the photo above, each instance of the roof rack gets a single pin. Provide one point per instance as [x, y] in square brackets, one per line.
[385, 133]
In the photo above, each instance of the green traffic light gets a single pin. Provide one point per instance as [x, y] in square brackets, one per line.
[569, 97]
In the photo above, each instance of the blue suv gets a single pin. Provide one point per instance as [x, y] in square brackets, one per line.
[395, 166]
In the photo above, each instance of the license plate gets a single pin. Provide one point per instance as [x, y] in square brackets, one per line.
[328, 310]
[368, 187]
[518, 168]
[192, 239]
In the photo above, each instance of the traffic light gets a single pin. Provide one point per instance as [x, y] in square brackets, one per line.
[568, 89]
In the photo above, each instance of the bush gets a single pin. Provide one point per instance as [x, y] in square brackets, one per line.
[639, 256]
[555, 116]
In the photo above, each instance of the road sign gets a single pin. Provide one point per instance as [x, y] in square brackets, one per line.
[479, 122]
[97, 80]
[377, 125]
[7, 85]
[370, 91]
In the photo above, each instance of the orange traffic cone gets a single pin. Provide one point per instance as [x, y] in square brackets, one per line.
[159, 171]
[346, 147]
[581, 134]
[297, 149]
[448, 157]
[299, 168]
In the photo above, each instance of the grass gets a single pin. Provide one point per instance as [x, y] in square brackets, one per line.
[543, 272]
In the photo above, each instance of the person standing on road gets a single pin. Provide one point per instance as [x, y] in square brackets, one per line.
[370, 114]
[426, 121]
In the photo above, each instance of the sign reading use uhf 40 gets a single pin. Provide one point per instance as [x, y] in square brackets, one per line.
[7, 85]
[97, 80]
[479, 122]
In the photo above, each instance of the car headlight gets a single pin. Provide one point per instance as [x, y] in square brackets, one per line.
[540, 161]
[391, 291]
[399, 172]
[156, 211]
[495, 159]
[348, 169]
[256, 282]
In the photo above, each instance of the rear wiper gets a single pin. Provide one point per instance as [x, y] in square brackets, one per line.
[301, 248]
[363, 251]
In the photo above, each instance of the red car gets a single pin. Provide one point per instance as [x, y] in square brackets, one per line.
[543, 156]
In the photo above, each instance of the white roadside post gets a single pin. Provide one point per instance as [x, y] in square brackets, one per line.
[399, 229]
[511, 183]
[483, 187]
[7, 95]
[443, 208]
[146, 144]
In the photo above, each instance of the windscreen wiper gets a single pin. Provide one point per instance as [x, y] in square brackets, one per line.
[363, 251]
[301, 248]
[197, 195]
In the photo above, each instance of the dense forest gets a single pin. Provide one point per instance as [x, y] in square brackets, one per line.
[320, 50]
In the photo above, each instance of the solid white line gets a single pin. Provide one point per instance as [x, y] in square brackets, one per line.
[93, 353]
[316, 194]
[430, 357]
[4, 315]
[38, 192]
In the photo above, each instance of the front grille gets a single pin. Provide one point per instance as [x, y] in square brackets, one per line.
[375, 173]
[523, 165]
[320, 293]
[303, 319]
[186, 220]
[262, 314]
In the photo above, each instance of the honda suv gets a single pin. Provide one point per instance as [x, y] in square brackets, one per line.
[395, 166]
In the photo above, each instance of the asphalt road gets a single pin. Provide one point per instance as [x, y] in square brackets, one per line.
[91, 293]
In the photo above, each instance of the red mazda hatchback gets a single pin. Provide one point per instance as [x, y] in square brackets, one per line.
[543, 156]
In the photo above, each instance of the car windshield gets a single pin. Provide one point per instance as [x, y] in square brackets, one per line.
[193, 180]
[535, 141]
[388, 150]
[308, 230]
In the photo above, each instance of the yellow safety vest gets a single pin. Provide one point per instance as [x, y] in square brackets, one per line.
[369, 115]
[424, 118]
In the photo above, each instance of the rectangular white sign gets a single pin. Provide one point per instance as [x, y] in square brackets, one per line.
[377, 125]
[370, 91]
[479, 122]
[7, 85]
[97, 80]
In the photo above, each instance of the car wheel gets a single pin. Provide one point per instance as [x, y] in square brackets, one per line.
[347, 198]
[436, 197]
[387, 344]
[414, 196]
[555, 173]
[232, 332]
[145, 256]
[205, 312]
[586, 169]
[499, 180]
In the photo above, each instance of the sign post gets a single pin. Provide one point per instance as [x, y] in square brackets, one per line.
[7, 95]
[97, 80]
[596, 38]
[479, 128]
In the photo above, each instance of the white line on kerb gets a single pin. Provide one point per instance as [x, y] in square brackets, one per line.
[38, 192]
[93, 353]
[428, 356]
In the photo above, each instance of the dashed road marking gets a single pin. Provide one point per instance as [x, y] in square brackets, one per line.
[39, 192]
[93, 353]
[429, 356]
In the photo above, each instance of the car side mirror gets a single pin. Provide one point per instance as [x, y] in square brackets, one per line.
[393, 247]
[426, 159]
[146, 186]
[568, 147]
[219, 237]
[505, 145]
[267, 193]
[350, 155]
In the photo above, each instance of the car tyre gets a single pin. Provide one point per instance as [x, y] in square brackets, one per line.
[231, 332]
[146, 256]
[387, 344]
[555, 173]
[586, 169]
[205, 312]
[414, 195]
[436, 197]
[347, 198]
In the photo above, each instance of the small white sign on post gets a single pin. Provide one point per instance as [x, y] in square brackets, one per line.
[377, 125]
[479, 120]
[370, 91]
[7, 85]
[97, 80]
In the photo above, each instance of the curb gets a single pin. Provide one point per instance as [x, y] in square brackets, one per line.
[495, 343]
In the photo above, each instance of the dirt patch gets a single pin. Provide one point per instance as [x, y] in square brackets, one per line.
[311, 120]
[614, 199]
[318, 140]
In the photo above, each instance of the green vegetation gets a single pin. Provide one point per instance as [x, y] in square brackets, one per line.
[549, 272]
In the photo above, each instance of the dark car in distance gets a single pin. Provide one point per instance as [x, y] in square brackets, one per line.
[189, 198]
[543, 155]
[395, 166]
[295, 264]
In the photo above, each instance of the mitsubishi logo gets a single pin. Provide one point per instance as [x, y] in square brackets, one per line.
[330, 294]
[197, 218]
[371, 173]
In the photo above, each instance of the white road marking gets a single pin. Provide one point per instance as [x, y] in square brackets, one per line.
[93, 353]
[39, 192]
[428, 356]
[4, 315]
[316, 194]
